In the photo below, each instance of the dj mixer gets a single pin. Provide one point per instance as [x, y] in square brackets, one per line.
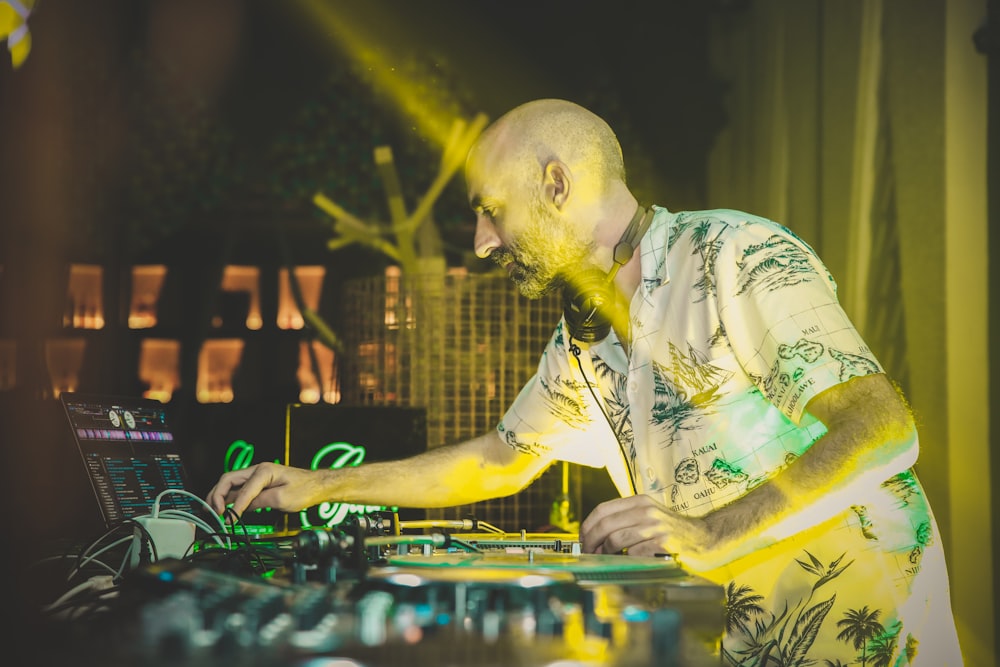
[374, 593]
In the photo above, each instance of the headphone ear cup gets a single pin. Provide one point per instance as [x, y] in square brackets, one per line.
[588, 300]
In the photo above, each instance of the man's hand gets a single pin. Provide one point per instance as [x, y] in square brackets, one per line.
[870, 437]
[645, 527]
[266, 485]
[464, 473]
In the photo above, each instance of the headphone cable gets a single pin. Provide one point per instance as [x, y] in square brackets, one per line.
[575, 350]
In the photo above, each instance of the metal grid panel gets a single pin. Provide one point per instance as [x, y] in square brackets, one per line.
[462, 346]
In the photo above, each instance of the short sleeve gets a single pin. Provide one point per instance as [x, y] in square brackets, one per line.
[552, 416]
[778, 305]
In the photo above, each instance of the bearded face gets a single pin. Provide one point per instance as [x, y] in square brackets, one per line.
[543, 253]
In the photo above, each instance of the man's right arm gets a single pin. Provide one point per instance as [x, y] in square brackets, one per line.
[475, 470]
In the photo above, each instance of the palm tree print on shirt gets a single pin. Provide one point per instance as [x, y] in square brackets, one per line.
[881, 649]
[781, 640]
[708, 249]
[565, 400]
[684, 392]
[786, 639]
[616, 404]
[859, 627]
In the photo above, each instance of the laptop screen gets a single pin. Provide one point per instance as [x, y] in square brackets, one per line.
[129, 453]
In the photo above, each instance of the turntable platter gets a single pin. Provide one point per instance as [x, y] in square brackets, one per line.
[584, 567]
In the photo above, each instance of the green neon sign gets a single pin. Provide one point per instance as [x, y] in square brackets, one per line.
[335, 456]
[240, 456]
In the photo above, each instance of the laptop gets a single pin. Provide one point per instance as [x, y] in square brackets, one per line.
[129, 453]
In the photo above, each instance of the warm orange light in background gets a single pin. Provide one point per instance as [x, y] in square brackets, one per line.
[218, 360]
[377, 356]
[309, 387]
[238, 281]
[84, 298]
[399, 307]
[310, 280]
[159, 368]
[63, 359]
[395, 309]
[147, 281]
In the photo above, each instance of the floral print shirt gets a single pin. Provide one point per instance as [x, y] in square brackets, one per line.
[734, 327]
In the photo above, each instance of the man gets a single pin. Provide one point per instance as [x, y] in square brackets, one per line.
[705, 361]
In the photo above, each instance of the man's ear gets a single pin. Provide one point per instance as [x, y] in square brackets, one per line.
[556, 183]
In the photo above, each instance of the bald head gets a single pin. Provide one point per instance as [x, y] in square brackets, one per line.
[525, 139]
[547, 184]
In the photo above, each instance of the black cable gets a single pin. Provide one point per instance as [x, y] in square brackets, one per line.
[575, 349]
[254, 552]
[85, 552]
[153, 556]
[237, 521]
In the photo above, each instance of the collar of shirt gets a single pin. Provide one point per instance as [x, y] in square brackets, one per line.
[653, 251]
[653, 266]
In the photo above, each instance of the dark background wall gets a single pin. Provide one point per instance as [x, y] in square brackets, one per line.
[194, 135]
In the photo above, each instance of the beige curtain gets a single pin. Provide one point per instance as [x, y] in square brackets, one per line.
[861, 125]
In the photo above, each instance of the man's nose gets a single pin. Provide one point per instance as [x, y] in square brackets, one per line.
[487, 240]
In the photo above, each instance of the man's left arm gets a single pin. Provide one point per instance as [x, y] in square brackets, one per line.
[870, 437]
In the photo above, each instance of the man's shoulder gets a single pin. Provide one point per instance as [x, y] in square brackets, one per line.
[719, 226]
[723, 217]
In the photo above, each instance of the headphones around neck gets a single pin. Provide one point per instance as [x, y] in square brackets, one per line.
[589, 296]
